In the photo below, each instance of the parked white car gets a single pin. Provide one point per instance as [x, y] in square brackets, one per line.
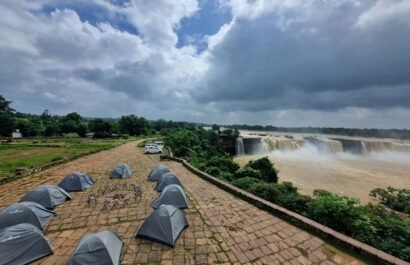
[152, 149]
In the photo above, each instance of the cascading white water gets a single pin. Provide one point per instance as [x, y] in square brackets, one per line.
[240, 149]
[283, 144]
[376, 146]
[332, 146]
[337, 145]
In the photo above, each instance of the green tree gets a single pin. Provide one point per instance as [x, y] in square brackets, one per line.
[338, 212]
[246, 182]
[134, 125]
[265, 167]
[51, 129]
[28, 127]
[101, 128]
[396, 199]
[228, 132]
[236, 133]
[70, 123]
[215, 127]
[6, 117]
[82, 129]
[248, 172]
[50, 124]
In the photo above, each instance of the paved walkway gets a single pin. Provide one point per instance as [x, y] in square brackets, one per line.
[223, 229]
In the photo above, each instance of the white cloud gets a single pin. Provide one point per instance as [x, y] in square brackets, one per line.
[385, 11]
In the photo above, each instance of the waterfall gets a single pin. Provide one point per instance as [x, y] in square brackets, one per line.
[240, 150]
[270, 144]
[375, 146]
[333, 146]
[401, 147]
[325, 144]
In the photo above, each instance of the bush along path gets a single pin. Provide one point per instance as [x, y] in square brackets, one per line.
[370, 224]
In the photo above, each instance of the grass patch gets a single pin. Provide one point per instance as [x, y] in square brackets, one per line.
[34, 153]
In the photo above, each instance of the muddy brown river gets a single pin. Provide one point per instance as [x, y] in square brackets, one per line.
[343, 173]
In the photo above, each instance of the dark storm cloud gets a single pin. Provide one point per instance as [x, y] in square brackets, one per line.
[325, 62]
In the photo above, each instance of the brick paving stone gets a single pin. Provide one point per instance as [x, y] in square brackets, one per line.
[222, 228]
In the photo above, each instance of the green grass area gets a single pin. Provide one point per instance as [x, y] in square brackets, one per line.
[33, 153]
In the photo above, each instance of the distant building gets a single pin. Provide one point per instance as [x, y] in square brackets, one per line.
[89, 135]
[17, 134]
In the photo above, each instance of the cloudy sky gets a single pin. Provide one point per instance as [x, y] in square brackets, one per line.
[281, 62]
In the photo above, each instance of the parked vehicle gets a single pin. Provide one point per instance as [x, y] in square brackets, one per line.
[152, 149]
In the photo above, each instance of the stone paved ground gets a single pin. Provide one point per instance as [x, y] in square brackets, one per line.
[223, 229]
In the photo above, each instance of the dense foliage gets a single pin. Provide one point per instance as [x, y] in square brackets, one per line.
[265, 167]
[134, 125]
[396, 199]
[370, 224]
[6, 116]
[47, 125]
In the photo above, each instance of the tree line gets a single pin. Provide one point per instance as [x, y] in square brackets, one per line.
[48, 125]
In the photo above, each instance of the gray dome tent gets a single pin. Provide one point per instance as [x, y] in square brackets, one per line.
[25, 212]
[76, 181]
[157, 172]
[172, 194]
[167, 179]
[122, 171]
[164, 225]
[102, 248]
[47, 195]
[22, 244]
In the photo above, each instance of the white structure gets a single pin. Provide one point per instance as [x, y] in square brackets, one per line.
[17, 134]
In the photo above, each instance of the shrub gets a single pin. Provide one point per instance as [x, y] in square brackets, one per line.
[248, 172]
[338, 212]
[214, 171]
[384, 230]
[227, 176]
[246, 182]
[294, 202]
[71, 135]
[396, 199]
[262, 189]
[224, 163]
[57, 158]
[265, 167]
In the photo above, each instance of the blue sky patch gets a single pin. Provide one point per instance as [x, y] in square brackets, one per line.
[95, 14]
[207, 21]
